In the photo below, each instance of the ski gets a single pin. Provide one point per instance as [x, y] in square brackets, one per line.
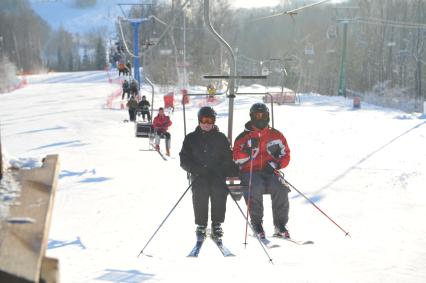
[224, 250]
[159, 152]
[266, 242]
[162, 155]
[196, 249]
[297, 242]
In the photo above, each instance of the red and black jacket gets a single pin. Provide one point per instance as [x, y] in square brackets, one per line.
[271, 145]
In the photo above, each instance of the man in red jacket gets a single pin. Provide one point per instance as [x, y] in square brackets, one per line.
[161, 124]
[259, 151]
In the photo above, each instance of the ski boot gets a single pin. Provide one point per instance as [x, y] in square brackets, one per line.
[281, 232]
[217, 231]
[200, 232]
[167, 151]
[258, 229]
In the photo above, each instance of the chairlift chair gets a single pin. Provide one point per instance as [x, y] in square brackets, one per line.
[331, 32]
[309, 49]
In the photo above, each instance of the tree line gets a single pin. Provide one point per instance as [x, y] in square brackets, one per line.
[384, 46]
[29, 44]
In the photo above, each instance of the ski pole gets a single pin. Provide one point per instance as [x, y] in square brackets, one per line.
[184, 193]
[251, 227]
[249, 196]
[282, 179]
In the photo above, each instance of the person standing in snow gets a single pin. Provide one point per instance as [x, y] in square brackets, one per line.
[260, 150]
[161, 124]
[129, 68]
[206, 154]
[132, 104]
[126, 89]
[134, 88]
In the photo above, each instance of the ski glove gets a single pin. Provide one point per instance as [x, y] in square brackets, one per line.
[250, 145]
[271, 166]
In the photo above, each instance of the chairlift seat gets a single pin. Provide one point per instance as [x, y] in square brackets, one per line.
[235, 187]
[286, 97]
[144, 130]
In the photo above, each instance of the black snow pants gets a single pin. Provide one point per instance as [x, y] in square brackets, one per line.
[132, 114]
[268, 183]
[204, 189]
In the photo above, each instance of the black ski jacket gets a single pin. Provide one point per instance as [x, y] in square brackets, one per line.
[144, 104]
[207, 154]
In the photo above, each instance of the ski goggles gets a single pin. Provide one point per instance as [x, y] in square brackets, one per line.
[207, 120]
[260, 116]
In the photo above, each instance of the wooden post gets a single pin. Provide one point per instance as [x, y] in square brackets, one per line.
[26, 233]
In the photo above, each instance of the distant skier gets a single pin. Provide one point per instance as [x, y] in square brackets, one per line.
[259, 150]
[132, 104]
[129, 68]
[121, 69]
[143, 108]
[134, 88]
[126, 89]
[161, 125]
[206, 154]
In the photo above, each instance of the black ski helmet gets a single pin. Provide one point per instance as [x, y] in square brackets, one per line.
[259, 108]
[206, 111]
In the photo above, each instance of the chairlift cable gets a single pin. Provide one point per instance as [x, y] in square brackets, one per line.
[290, 12]
[390, 23]
[159, 39]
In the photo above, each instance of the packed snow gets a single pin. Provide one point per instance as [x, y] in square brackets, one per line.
[364, 168]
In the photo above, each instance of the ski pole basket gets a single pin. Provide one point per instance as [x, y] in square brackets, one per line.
[235, 187]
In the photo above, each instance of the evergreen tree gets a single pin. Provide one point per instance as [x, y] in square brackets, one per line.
[100, 55]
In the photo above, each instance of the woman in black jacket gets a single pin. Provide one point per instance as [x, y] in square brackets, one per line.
[206, 154]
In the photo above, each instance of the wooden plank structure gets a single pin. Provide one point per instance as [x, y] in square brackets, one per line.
[26, 231]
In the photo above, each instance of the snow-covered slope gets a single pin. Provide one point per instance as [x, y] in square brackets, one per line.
[364, 168]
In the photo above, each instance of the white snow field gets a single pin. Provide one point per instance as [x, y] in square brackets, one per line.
[364, 168]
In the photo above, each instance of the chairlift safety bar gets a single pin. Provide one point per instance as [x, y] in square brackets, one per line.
[234, 77]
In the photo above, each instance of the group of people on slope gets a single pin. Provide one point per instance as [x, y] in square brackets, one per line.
[257, 152]
[131, 89]
[160, 124]
[206, 154]
[141, 107]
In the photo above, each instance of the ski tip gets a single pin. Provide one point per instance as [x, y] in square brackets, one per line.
[308, 243]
